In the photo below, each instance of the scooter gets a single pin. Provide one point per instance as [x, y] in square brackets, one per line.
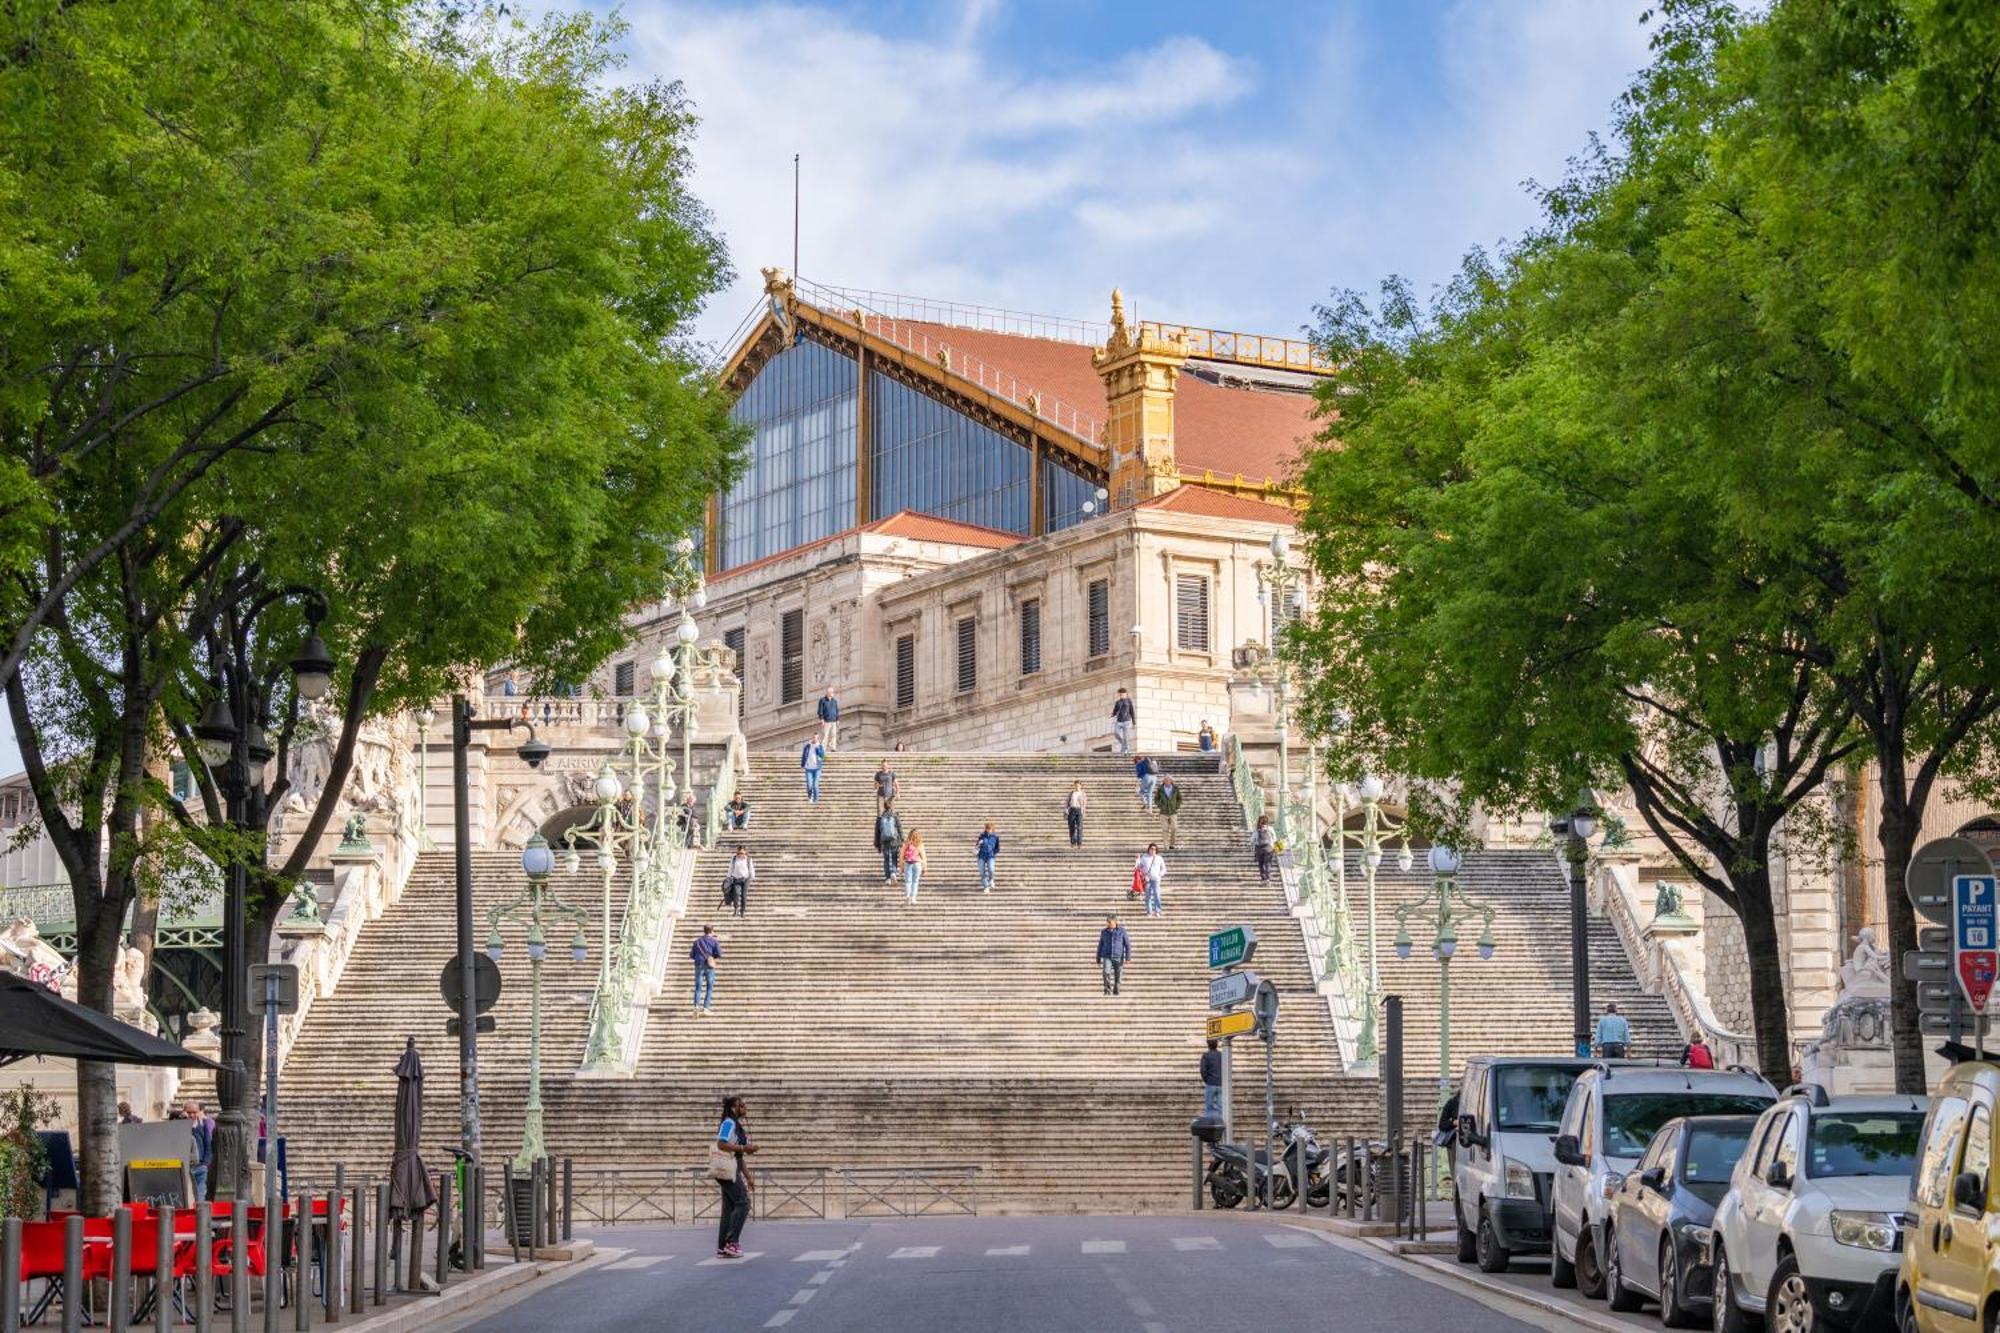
[1234, 1176]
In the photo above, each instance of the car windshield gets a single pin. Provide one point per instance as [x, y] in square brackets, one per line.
[1531, 1097]
[1711, 1155]
[1632, 1118]
[1863, 1143]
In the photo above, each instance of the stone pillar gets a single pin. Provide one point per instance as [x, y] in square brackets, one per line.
[1139, 369]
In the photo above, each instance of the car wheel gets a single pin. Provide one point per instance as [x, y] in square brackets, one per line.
[1622, 1298]
[1727, 1315]
[1491, 1254]
[1468, 1243]
[1562, 1273]
[1789, 1308]
[1672, 1313]
[1589, 1264]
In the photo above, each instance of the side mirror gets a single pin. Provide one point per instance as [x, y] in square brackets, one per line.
[1778, 1176]
[1968, 1191]
[1567, 1151]
[1654, 1178]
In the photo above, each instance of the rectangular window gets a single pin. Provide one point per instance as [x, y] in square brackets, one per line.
[621, 679]
[792, 657]
[968, 655]
[1285, 612]
[1100, 617]
[1031, 637]
[732, 639]
[906, 671]
[1191, 613]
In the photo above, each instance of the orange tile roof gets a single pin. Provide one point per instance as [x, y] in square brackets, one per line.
[1191, 498]
[1255, 432]
[902, 523]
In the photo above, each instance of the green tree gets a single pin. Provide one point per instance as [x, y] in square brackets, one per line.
[445, 273]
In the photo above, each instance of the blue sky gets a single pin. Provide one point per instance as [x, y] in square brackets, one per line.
[1225, 164]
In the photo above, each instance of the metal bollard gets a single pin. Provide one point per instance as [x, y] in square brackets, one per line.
[163, 1269]
[204, 1266]
[552, 1201]
[1194, 1145]
[476, 1233]
[510, 1213]
[382, 1225]
[444, 1228]
[569, 1197]
[72, 1316]
[330, 1267]
[1347, 1202]
[302, 1261]
[239, 1265]
[10, 1276]
[537, 1182]
[120, 1304]
[357, 1249]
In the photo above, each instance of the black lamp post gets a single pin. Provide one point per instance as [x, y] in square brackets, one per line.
[1575, 830]
[237, 753]
[533, 753]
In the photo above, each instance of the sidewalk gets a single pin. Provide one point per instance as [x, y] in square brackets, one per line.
[466, 1292]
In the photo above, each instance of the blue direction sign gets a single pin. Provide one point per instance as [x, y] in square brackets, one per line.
[1975, 951]
[1232, 946]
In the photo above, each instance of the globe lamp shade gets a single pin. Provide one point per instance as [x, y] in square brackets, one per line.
[1444, 860]
[312, 669]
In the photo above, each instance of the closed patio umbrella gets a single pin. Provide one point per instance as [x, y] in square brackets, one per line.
[410, 1190]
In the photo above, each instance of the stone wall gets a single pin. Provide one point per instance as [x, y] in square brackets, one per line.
[1727, 967]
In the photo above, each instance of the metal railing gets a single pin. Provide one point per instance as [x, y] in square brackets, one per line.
[734, 757]
[648, 1195]
[1248, 794]
[1660, 965]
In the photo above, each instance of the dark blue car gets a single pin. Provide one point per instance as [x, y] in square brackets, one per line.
[1661, 1212]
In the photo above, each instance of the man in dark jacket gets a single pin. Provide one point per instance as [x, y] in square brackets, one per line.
[829, 720]
[1211, 1080]
[1123, 718]
[889, 840]
[1114, 949]
[1167, 800]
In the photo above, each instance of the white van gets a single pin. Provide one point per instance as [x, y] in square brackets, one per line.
[1613, 1112]
[1502, 1167]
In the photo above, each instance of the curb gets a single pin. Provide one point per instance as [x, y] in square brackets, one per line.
[1576, 1312]
[463, 1296]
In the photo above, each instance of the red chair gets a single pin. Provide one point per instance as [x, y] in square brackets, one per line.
[42, 1260]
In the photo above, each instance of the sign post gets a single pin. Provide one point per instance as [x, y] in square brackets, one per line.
[1931, 882]
[1975, 953]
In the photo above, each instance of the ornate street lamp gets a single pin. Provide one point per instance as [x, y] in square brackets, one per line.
[1277, 582]
[536, 907]
[1443, 905]
[425, 716]
[1575, 829]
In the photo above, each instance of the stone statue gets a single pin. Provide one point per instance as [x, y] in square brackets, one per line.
[1666, 899]
[1866, 973]
[128, 984]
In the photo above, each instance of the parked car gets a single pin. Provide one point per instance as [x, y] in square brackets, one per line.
[1950, 1272]
[1810, 1234]
[1502, 1166]
[1660, 1216]
[1613, 1112]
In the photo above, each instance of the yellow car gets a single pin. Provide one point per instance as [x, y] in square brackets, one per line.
[1950, 1279]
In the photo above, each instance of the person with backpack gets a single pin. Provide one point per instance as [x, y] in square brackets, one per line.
[1167, 800]
[736, 883]
[1696, 1055]
[1142, 768]
[1265, 841]
[913, 866]
[1114, 950]
[703, 953]
[1073, 809]
[812, 755]
[889, 840]
[987, 850]
[733, 1139]
[1205, 738]
[1150, 870]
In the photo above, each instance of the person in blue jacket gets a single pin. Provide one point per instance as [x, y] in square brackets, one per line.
[1142, 768]
[1114, 949]
[989, 848]
[811, 756]
[829, 720]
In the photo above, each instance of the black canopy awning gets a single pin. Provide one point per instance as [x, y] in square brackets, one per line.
[36, 1021]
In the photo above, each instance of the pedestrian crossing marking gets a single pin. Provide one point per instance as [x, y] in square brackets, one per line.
[718, 1260]
[1104, 1247]
[804, 1294]
[1186, 1243]
[1290, 1240]
[780, 1319]
[637, 1261]
[915, 1252]
[818, 1278]
[819, 1256]
[1008, 1251]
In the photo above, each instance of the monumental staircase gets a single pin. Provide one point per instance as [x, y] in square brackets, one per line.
[970, 1028]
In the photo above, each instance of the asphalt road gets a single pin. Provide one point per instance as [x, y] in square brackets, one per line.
[1196, 1273]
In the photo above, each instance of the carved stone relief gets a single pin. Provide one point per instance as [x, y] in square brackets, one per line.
[760, 671]
[818, 652]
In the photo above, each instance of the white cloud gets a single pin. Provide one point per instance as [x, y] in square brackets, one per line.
[950, 167]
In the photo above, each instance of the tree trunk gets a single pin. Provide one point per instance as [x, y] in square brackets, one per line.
[97, 933]
[1897, 829]
[1770, 1010]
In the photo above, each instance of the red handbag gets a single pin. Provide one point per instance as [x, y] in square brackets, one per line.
[1138, 881]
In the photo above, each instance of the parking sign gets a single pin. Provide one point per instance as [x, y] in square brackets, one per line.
[1975, 951]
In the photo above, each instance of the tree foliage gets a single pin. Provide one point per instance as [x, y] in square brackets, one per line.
[366, 297]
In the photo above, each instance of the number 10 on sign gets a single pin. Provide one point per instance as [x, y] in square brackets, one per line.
[1975, 957]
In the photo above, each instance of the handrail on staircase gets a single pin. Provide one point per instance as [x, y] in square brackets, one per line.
[1248, 794]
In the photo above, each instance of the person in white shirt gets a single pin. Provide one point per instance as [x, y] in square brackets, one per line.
[736, 885]
[1073, 812]
[1153, 868]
